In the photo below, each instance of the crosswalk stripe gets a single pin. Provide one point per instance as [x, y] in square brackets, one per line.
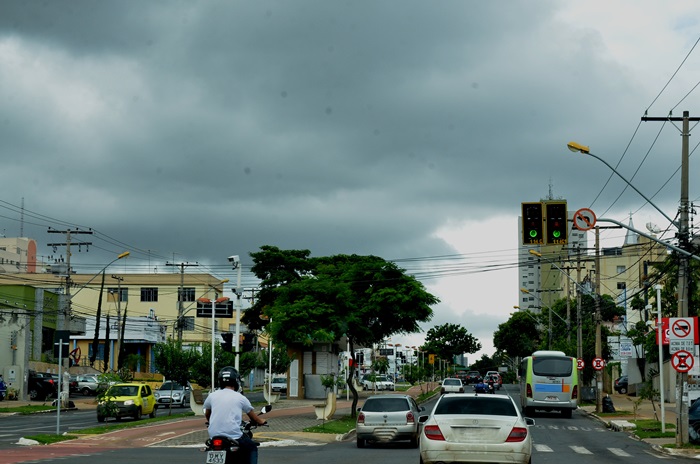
[543, 448]
[580, 450]
[619, 452]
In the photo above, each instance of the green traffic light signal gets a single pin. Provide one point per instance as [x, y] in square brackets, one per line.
[533, 233]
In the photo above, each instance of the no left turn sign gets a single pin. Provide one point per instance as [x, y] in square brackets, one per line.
[584, 219]
[580, 363]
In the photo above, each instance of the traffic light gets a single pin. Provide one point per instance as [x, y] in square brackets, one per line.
[556, 224]
[227, 345]
[532, 224]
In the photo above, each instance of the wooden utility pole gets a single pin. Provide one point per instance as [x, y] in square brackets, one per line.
[180, 297]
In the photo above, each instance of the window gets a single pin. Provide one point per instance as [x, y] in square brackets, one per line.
[621, 269]
[122, 292]
[149, 294]
[187, 294]
[188, 323]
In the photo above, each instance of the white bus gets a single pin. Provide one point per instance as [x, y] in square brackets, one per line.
[548, 381]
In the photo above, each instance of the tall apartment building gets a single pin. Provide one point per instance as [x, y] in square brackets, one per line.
[17, 255]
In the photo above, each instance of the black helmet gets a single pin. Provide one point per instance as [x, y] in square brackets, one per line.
[228, 377]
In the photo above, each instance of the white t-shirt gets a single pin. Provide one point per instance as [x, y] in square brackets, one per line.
[227, 407]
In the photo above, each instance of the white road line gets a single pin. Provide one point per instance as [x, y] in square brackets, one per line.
[580, 450]
[543, 448]
[619, 452]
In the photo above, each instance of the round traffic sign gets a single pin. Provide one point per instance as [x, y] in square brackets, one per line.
[681, 328]
[682, 361]
[584, 219]
[598, 364]
[580, 363]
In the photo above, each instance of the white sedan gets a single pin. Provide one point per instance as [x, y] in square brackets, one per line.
[473, 427]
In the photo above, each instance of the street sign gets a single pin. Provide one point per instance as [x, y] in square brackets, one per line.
[626, 348]
[682, 361]
[598, 364]
[584, 219]
[580, 363]
[223, 309]
[681, 335]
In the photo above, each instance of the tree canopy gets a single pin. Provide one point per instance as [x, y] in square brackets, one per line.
[450, 340]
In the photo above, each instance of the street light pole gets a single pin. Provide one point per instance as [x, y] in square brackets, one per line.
[598, 341]
[235, 260]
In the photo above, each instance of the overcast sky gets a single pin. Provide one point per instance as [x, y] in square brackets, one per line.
[191, 131]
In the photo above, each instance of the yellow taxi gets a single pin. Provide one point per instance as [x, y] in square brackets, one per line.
[127, 400]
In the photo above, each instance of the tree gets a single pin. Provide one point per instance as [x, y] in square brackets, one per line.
[309, 300]
[518, 336]
[173, 361]
[450, 340]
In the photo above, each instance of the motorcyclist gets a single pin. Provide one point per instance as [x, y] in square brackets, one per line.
[224, 410]
[491, 381]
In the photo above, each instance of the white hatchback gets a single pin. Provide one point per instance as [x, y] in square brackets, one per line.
[451, 385]
[472, 427]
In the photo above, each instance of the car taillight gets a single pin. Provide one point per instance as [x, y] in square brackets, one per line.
[360, 418]
[217, 444]
[528, 393]
[574, 392]
[433, 432]
[410, 419]
[517, 434]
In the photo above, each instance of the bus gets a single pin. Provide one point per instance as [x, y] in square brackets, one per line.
[548, 381]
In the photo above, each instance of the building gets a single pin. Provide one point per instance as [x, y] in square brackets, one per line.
[17, 255]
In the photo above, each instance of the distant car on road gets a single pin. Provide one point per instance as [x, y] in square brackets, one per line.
[41, 385]
[473, 377]
[377, 382]
[127, 400]
[451, 385]
[279, 385]
[172, 393]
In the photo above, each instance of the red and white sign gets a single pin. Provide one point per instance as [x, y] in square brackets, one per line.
[584, 219]
[667, 322]
[580, 363]
[682, 361]
[598, 364]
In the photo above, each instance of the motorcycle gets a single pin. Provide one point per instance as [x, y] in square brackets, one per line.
[492, 388]
[224, 450]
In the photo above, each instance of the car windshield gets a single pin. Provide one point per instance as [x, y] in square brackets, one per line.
[385, 405]
[486, 405]
[123, 390]
[171, 386]
[279, 380]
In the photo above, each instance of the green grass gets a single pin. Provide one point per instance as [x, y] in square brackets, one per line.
[337, 426]
[649, 428]
[26, 409]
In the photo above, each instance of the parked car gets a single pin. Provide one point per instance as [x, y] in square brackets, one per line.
[41, 385]
[451, 385]
[127, 400]
[388, 418]
[377, 382]
[467, 427]
[172, 393]
[88, 384]
[694, 422]
[621, 385]
[279, 385]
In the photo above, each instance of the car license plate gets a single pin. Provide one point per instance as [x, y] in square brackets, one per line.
[216, 457]
[552, 398]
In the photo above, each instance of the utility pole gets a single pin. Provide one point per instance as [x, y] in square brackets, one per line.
[120, 330]
[180, 297]
[66, 310]
[598, 341]
[683, 242]
[579, 330]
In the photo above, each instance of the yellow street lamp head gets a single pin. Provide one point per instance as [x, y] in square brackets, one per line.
[536, 253]
[123, 255]
[525, 290]
[577, 147]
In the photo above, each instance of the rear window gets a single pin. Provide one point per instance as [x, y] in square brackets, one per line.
[456, 382]
[385, 405]
[475, 405]
[552, 367]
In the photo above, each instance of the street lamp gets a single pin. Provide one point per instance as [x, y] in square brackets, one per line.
[578, 148]
[235, 261]
[213, 302]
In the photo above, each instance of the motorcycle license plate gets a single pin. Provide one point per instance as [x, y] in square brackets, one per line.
[216, 457]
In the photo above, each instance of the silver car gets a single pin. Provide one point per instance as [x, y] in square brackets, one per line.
[388, 418]
[473, 427]
[88, 384]
[172, 393]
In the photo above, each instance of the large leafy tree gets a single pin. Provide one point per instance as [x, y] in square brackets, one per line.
[450, 340]
[306, 300]
[174, 362]
[518, 336]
